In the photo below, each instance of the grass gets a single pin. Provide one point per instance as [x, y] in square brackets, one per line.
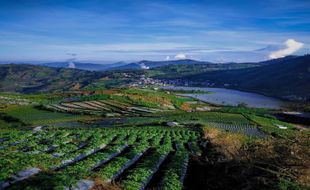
[6, 125]
[34, 98]
[33, 116]
[227, 143]
[7, 121]
[245, 110]
[187, 118]
[269, 126]
[278, 163]
[151, 96]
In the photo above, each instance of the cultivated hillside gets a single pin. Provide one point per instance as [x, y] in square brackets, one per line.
[29, 78]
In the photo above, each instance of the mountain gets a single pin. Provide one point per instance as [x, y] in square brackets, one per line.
[84, 66]
[172, 71]
[287, 78]
[153, 64]
[279, 60]
[25, 78]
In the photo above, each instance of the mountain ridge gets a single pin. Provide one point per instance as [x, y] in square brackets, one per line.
[287, 78]
[284, 78]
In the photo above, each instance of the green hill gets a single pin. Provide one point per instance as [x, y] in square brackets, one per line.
[28, 78]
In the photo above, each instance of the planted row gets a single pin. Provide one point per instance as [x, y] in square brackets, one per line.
[141, 175]
[174, 176]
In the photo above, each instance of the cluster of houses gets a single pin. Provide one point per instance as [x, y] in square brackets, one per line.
[145, 82]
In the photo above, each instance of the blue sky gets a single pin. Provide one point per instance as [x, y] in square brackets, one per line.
[129, 30]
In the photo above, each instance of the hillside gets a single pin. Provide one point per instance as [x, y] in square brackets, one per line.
[171, 71]
[144, 64]
[29, 78]
[287, 78]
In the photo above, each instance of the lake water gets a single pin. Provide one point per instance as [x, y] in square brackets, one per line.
[222, 96]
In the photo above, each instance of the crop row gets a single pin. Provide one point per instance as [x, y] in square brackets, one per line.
[83, 153]
[101, 107]
[140, 176]
[246, 129]
[174, 176]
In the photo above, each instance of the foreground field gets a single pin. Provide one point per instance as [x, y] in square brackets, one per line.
[128, 156]
[136, 139]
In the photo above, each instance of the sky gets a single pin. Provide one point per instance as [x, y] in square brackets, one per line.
[131, 30]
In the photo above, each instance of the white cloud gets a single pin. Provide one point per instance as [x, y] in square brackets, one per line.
[168, 58]
[180, 56]
[291, 47]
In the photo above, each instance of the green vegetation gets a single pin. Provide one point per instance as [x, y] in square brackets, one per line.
[24, 149]
[30, 79]
[174, 175]
[191, 118]
[181, 70]
[144, 138]
[34, 116]
[272, 126]
[7, 121]
[245, 110]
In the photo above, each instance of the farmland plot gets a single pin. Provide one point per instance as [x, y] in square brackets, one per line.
[66, 158]
[246, 129]
[102, 107]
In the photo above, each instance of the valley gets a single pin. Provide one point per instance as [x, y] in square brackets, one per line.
[133, 138]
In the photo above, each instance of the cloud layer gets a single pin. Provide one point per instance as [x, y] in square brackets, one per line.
[291, 47]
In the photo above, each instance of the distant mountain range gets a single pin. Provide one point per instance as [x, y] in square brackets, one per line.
[119, 65]
[143, 65]
[153, 64]
[287, 77]
[84, 66]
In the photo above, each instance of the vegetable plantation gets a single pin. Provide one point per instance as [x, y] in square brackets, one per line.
[246, 129]
[61, 158]
[108, 108]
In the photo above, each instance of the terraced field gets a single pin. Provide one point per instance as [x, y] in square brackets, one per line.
[67, 158]
[108, 108]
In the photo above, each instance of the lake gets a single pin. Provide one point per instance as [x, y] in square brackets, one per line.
[223, 96]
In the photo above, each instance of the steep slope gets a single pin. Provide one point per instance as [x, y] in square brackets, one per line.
[30, 78]
[279, 60]
[287, 78]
